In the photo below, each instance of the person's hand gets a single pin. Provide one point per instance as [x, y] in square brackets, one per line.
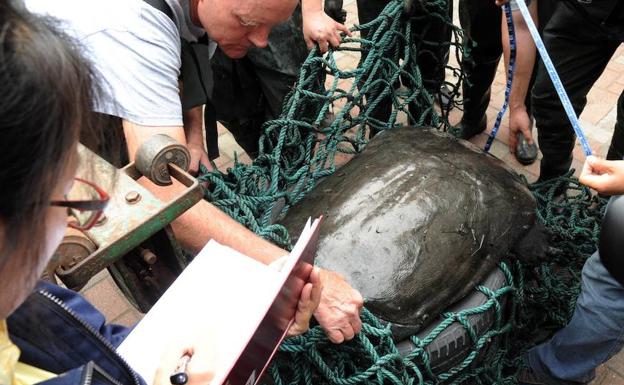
[198, 155]
[308, 303]
[500, 3]
[319, 27]
[604, 176]
[339, 310]
[519, 121]
[200, 368]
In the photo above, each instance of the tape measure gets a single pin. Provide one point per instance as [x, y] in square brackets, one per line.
[510, 72]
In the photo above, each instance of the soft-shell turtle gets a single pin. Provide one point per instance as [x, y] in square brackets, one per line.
[416, 221]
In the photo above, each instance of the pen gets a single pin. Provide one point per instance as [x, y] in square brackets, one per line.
[180, 377]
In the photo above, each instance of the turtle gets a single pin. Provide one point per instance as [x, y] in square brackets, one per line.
[416, 221]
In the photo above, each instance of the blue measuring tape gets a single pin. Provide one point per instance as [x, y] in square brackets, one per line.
[510, 72]
[554, 77]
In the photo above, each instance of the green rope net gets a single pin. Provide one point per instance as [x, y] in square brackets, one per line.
[298, 148]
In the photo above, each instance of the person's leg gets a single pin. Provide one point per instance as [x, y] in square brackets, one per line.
[369, 10]
[545, 10]
[238, 101]
[616, 149]
[481, 20]
[580, 53]
[432, 36]
[594, 334]
[277, 65]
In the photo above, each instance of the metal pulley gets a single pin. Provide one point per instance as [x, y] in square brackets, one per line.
[156, 153]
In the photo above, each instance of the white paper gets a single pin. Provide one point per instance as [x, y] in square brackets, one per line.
[221, 297]
[222, 293]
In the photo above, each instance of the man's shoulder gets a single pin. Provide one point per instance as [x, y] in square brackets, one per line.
[83, 18]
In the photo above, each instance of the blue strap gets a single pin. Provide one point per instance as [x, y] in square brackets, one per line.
[510, 71]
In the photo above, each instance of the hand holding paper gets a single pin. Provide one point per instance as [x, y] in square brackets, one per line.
[308, 303]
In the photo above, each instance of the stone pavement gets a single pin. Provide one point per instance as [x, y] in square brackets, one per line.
[597, 119]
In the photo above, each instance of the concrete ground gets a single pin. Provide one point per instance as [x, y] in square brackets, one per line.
[597, 119]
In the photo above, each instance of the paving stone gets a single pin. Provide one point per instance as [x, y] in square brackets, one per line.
[227, 145]
[616, 363]
[95, 280]
[608, 122]
[244, 158]
[594, 112]
[107, 298]
[222, 160]
[612, 378]
[601, 373]
[221, 129]
[615, 88]
[608, 77]
[129, 318]
[499, 149]
[224, 168]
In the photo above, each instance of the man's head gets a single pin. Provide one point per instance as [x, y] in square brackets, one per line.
[237, 25]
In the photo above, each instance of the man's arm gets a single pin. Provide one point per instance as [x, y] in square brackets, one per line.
[519, 120]
[339, 310]
[319, 27]
[204, 221]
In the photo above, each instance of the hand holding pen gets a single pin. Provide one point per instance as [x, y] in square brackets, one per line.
[180, 375]
[193, 364]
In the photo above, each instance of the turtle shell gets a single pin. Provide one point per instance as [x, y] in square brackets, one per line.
[415, 221]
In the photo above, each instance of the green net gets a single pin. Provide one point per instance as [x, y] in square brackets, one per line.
[299, 147]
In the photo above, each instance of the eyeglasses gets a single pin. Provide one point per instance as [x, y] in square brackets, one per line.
[85, 203]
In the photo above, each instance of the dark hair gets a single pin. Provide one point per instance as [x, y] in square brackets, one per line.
[47, 95]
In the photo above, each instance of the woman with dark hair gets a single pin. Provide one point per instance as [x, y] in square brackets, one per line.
[46, 103]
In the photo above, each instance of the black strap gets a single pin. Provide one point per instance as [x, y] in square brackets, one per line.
[162, 6]
[198, 87]
[611, 241]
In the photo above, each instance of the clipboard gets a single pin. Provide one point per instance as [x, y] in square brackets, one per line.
[245, 306]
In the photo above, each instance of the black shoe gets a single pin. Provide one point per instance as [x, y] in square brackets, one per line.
[446, 98]
[528, 377]
[525, 153]
[328, 120]
[468, 130]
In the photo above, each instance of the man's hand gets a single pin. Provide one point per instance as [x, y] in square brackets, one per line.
[194, 130]
[198, 156]
[339, 310]
[308, 303]
[500, 3]
[519, 121]
[319, 27]
[604, 176]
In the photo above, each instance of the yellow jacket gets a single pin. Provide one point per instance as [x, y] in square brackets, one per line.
[13, 372]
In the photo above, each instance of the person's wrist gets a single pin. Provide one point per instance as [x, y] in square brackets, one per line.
[194, 145]
[517, 109]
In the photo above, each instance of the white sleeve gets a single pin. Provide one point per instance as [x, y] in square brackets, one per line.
[139, 67]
